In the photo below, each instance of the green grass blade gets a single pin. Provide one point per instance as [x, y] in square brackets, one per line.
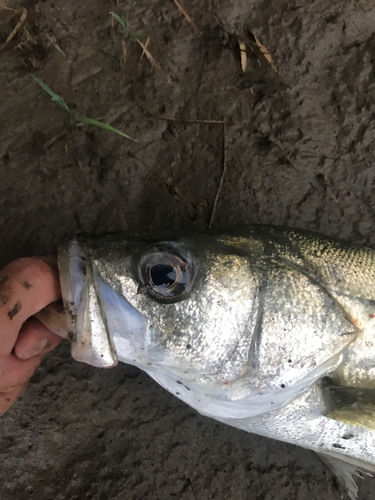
[96, 123]
[121, 21]
[82, 119]
[55, 97]
[142, 37]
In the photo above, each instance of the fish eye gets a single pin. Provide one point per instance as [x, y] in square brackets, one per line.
[167, 273]
[163, 275]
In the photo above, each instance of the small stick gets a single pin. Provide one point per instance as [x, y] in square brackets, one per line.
[149, 56]
[287, 155]
[222, 178]
[57, 47]
[147, 43]
[243, 54]
[207, 122]
[51, 141]
[185, 14]
[16, 28]
[124, 51]
[265, 53]
[215, 122]
[169, 119]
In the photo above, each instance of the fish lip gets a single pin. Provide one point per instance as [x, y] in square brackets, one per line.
[63, 263]
[85, 313]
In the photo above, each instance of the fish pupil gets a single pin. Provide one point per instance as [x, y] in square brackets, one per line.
[163, 275]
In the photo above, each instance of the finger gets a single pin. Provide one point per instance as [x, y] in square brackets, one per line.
[7, 399]
[34, 338]
[53, 317]
[14, 371]
[26, 286]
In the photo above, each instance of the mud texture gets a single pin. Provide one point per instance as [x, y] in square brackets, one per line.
[297, 149]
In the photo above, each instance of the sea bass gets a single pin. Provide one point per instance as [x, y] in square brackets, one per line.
[267, 329]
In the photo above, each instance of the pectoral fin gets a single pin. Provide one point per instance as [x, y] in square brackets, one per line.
[350, 405]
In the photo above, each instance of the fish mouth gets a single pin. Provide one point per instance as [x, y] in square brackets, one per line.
[101, 323]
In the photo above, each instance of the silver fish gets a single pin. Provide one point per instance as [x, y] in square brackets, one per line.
[267, 329]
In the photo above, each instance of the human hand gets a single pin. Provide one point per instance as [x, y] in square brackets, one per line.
[27, 285]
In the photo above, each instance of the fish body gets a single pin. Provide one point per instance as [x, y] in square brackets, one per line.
[267, 329]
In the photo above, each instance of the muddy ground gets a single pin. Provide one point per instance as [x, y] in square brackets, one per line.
[297, 148]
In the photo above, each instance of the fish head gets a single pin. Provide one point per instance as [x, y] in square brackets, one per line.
[185, 303]
[203, 315]
[181, 309]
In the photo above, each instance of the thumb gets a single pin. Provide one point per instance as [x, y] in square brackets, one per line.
[35, 339]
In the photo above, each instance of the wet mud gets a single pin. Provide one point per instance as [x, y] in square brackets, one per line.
[252, 112]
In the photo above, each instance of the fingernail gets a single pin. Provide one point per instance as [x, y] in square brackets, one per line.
[36, 349]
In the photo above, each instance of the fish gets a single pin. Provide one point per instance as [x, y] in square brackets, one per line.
[267, 329]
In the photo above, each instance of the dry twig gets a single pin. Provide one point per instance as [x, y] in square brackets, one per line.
[265, 52]
[56, 45]
[148, 54]
[207, 122]
[16, 28]
[243, 54]
[169, 119]
[124, 51]
[51, 141]
[221, 179]
[147, 43]
[185, 14]
[286, 155]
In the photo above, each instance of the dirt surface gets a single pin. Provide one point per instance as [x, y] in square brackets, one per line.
[297, 149]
